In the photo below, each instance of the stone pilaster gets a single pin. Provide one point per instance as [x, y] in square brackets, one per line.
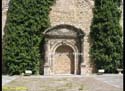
[4, 14]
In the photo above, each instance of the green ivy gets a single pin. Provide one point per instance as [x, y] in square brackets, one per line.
[26, 20]
[106, 34]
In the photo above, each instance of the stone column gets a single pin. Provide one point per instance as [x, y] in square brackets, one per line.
[46, 69]
[76, 63]
[47, 58]
[83, 65]
[82, 58]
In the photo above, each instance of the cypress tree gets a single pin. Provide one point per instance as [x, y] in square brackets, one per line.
[107, 50]
[26, 20]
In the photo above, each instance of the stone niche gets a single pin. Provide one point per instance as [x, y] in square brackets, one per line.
[63, 50]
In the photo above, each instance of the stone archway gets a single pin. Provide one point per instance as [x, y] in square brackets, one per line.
[63, 49]
[63, 62]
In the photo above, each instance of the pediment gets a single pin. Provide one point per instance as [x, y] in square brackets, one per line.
[63, 30]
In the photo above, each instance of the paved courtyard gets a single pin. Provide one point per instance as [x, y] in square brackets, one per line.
[114, 80]
[6, 79]
[108, 82]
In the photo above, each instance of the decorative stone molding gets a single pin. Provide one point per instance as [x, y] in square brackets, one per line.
[69, 40]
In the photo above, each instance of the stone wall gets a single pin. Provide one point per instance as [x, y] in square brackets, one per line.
[4, 13]
[121, 22]
[79, 14]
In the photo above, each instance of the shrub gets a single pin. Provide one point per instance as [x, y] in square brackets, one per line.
[107, 48]
[26, 20]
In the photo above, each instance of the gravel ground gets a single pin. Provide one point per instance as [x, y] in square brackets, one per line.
[66, 83]
[6, 79]
[114, 80]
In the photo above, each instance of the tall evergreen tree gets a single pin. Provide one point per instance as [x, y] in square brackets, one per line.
[107, 50]
[26, 20]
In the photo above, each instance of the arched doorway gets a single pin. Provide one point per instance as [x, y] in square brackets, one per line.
[63, 48]
[63, 62]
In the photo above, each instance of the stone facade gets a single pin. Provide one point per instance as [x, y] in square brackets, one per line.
[77, 13]
[63, 45]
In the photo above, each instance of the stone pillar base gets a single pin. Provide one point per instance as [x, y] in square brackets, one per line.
[46, 70]
[83, 69]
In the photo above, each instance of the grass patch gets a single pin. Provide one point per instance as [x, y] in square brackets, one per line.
[60, 89]
[81, 88]
[7, 88]
[69, 85]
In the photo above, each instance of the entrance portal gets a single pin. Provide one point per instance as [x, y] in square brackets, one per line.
[63, 62]
[63, 46]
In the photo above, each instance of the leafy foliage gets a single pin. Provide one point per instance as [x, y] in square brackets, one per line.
[26, 20]
[107, 49]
